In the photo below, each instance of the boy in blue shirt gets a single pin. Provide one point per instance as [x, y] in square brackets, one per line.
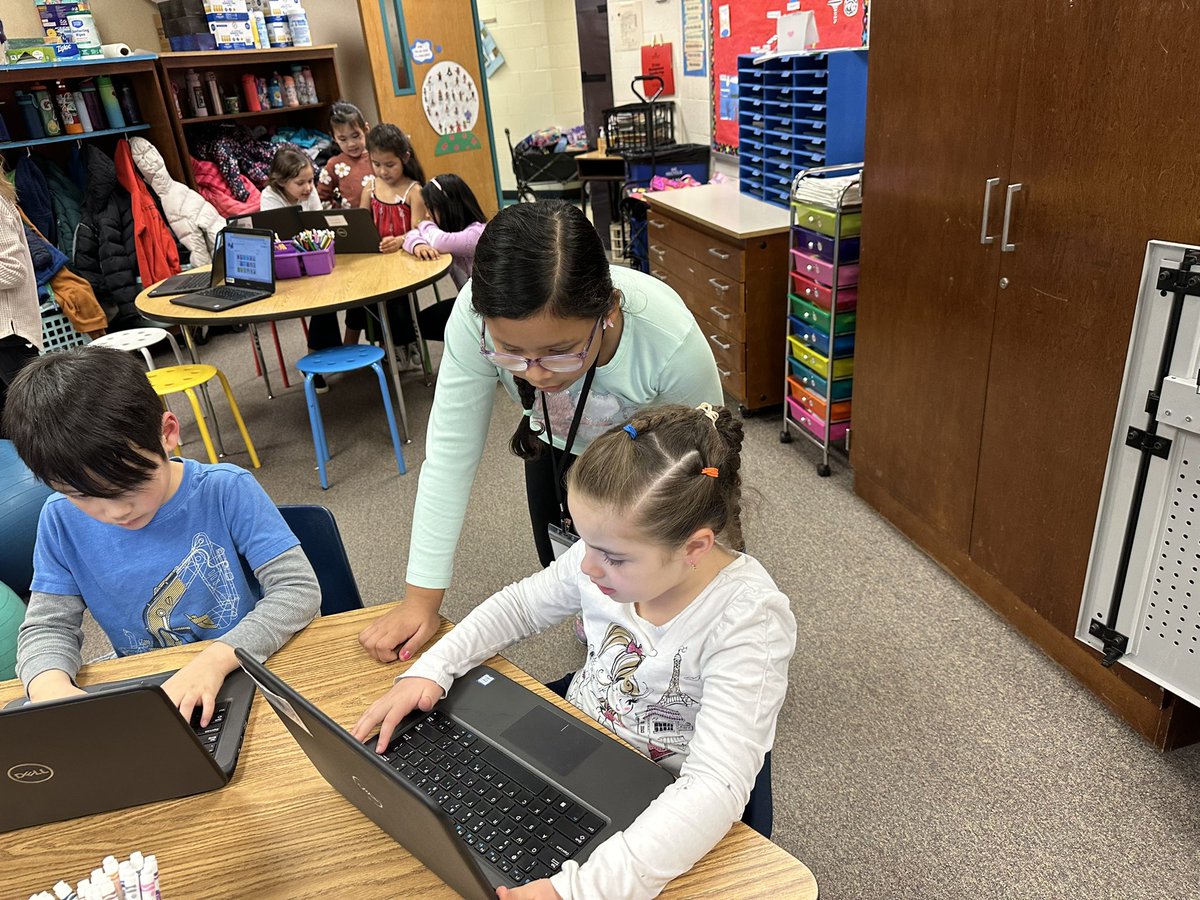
[151, 546]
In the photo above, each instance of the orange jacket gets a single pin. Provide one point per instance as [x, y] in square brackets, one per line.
[76, 298]
[156, 253]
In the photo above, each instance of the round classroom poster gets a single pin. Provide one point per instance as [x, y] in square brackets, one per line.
[451, 102]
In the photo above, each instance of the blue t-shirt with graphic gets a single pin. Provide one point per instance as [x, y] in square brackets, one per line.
[178, 579]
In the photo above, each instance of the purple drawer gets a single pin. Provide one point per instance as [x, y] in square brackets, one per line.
[822, 295]
[821, 245]
[822, 271]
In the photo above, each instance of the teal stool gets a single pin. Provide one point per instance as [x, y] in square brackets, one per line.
[343, 359]
[12, 614]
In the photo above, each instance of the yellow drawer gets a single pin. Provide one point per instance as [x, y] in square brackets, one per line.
[815, 218]
[842, 368]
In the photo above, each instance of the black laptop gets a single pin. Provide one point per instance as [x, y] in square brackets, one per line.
[122, 745]
[248, 255]
[495, 786]
[190, 282]
[353, 230]
[284, 221]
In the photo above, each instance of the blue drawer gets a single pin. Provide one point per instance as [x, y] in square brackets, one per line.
[809, 334]
[843, 388]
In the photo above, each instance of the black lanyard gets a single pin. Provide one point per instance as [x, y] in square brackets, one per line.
[570, 441]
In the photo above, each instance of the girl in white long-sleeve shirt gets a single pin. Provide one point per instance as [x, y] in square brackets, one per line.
[688, 641]
[20, 316]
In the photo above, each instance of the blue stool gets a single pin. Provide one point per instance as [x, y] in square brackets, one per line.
[343, 359]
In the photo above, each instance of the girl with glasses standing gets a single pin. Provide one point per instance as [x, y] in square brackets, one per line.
[581, 346]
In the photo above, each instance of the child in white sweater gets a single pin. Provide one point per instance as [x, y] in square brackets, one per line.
[688, 641]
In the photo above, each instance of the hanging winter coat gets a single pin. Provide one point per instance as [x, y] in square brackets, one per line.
[157, 257]
[34, 196]
[194, 220]
[67, 201]
[213, 188]
[73, 294]
[47, 260]
[105, 250]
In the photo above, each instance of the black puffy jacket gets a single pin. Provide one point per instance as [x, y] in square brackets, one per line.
[105, 252]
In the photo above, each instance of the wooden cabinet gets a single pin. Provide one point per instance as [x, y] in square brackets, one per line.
[229, 66]
[136, 72]
[726, 256]
[987, 371]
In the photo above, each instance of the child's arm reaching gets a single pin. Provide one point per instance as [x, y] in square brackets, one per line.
[416, 244]
[745, 679]
[456, 243]
[519, 610]
[48, 645]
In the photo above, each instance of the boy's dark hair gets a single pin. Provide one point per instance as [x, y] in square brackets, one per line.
[288, 163]
[392, 140]
[343, 112]
[657, 480]
[451, 203]
[85, 419]
[535, 256]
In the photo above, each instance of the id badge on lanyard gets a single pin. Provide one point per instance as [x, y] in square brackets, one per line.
[562, 537]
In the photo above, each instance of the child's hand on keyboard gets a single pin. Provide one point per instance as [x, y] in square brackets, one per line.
[541, 889]
[53, 684]
[197, 683]
[406, 695]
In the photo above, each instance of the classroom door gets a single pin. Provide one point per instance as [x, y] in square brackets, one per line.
[1105, 154]
[939, 119]
[425, 65]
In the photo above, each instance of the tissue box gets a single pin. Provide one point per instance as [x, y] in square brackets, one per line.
[231, 33]
[226, 7]
[295, 263]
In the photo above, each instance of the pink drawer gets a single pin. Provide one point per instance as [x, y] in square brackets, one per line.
[822, 270]
[822, 295]
[814, 425]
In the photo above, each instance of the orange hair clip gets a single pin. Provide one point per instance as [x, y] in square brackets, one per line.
[710, 471]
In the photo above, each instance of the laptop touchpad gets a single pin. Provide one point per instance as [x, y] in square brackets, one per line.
[556, 744]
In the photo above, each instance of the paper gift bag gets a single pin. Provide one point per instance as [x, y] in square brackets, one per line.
[656, 61]
[796, 31]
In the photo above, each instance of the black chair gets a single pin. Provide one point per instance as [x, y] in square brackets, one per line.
[322, 544]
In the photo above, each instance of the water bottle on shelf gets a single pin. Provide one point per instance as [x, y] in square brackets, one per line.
[195, 94]
[45, 106]
[85, 117]
[65, 101]
[28, 108]
[108, 100]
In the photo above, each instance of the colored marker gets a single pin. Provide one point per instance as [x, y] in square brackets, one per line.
[152, 865]
[130, 890]
[63, 891]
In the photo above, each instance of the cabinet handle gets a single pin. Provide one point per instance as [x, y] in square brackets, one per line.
[718, 285]
[984, 237]
[654, 223]
[713, 338]
[724, 315]
[661, 276]
[725, 373]
[1004, 243]
[658, 250]
[719, 254]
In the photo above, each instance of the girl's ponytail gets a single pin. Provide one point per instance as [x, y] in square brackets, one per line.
[731, 433]
[525, 442]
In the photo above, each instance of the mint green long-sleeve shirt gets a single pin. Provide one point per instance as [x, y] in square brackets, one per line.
[663, 357]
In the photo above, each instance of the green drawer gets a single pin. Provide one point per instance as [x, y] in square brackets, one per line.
[814, 218]
[814, 315]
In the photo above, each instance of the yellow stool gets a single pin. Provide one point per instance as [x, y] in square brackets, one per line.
[176, 379]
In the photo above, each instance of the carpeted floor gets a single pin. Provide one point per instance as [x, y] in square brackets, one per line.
[926, 750]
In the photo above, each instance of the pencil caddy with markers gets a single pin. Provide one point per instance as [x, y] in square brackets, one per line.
[308, 253]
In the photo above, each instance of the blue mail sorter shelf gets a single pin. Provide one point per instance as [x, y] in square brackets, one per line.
[798, 112]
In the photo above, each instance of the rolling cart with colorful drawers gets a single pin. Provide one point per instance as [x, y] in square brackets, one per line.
[826, 219]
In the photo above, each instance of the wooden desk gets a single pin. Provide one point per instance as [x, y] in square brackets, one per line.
[609, 171]
[357, 279]
[279, 830]
[727, 256]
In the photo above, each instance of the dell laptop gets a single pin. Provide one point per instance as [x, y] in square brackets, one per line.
[284, 222]
[190, 282]
[353, 230]
[248, 255]
[121, 745]
[495, 786]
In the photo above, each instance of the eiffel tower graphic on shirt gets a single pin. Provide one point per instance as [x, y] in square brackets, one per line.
[661, 725]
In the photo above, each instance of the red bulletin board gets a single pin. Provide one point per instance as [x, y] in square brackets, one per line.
[840, 23]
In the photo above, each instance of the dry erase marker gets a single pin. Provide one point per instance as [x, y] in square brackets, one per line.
[137, 860]
[109, 863]
[152, 866]
[105, 889]
[129, 882]
[83, 890]
[63, 891]
[146, 882]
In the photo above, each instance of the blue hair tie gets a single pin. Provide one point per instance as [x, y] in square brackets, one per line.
[631, 431]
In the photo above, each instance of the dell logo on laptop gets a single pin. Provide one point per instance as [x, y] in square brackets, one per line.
[374, 799]
[30, 773]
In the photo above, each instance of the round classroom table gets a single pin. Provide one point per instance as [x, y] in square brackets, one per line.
[357, 279]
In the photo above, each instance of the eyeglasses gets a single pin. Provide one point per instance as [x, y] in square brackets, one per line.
[559, 362]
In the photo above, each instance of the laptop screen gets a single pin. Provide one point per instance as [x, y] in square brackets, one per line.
[249, 259]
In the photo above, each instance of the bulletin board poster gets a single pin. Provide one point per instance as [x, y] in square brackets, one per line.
[749, 26]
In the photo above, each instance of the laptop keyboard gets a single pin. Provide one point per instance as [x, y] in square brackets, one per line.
[506, 813]
[227, 293]
[196, 282]
[210, 735]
